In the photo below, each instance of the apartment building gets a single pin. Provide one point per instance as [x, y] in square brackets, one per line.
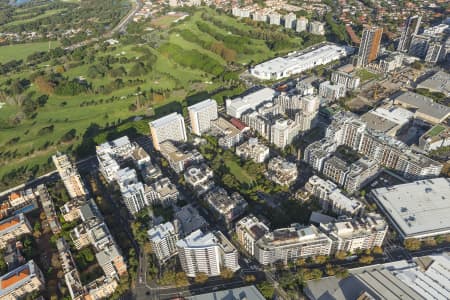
[348, 79]
[287, 244]
[317, 28]
[190, 219]
[370, 45]
[283, 132]
[13, 228]
[229, 136]
[206, 253]
[201, 114]
[332, 198]
[411, 28]
[302, 24]
[179, 157]
[249, 230]
[336, 169]
[350, 235]
[281, 171]
[133, 194]
[199, 178]
[253, 150]
[21, 281]
[331, 91]
[168, 128]
[111, 154]
[163, 239]
[225, 207]
[70, 176]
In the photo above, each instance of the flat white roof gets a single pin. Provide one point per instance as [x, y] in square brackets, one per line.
[160, 231]
[202, 105]
[254, 99]
[198, 239]
[418, 208]
[280, 64]
[161, 122]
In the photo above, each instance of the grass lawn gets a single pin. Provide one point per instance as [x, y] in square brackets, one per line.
[21, 51]
[366, 75]
[238, 172]
[47, 14]
[436, 130]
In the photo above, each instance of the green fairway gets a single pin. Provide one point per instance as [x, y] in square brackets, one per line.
[23, 18]
[21, 51]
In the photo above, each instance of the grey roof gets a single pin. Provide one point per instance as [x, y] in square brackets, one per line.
[418, 208]
[424, 105]
[439, 82]
[247, 292]
[376, 281]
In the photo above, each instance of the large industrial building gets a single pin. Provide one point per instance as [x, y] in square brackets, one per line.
[297, 62]
[418, 209]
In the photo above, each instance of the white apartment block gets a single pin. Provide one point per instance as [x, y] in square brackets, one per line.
[236, 107]
[317, 28]
[168, 128]
[21, 281]
[163, 239]
[162, 192]
[13, 228]
[286, 244]
[201, 114]
[134, 197]
[274, 18]
[242, 12]
[249, 230]
[332, 198]
[69, 175]
[253, 150]
[199, 178]
[283, 132]
[290, 20]
[206, 253]
[229, 136]
[111, 154]
[331, 91]
[363, 233]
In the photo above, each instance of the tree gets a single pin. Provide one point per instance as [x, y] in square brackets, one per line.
[266, 289]
[366, 259]
[300, 262]
[341, 255]
[249, 278]
[226, 273]
[430, 242]
[320, 259]
[377, 250]
[342, 272]
[201, 278]
[329, 270]
[3, 265]
[412, 244]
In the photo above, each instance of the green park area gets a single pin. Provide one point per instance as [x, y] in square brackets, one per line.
[365, 75]
[68, 101]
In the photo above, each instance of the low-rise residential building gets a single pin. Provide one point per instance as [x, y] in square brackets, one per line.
[226, 208]
[19, 282]
[350, 235]
[253, 150]
[21, 198]
[281, 171]
[162, 192]
[101, 288]
[70, 176]
[287, 244]
[207, 253]
[70, 211]
[13, 228]
[163, 239]
[199, 178]
[332, 198]
[249, 230]
[189, 219]
[229, 136]
[111, 261]
[179, 158]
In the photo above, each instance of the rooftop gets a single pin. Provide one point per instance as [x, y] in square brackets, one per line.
[16, 278]
[197, 239]
[161, 122]
[424, 105]
[417, 208]
[439, 82]
[247, 292]
[202, 105]
[10, 223]
[159, 232]
[190, 219]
